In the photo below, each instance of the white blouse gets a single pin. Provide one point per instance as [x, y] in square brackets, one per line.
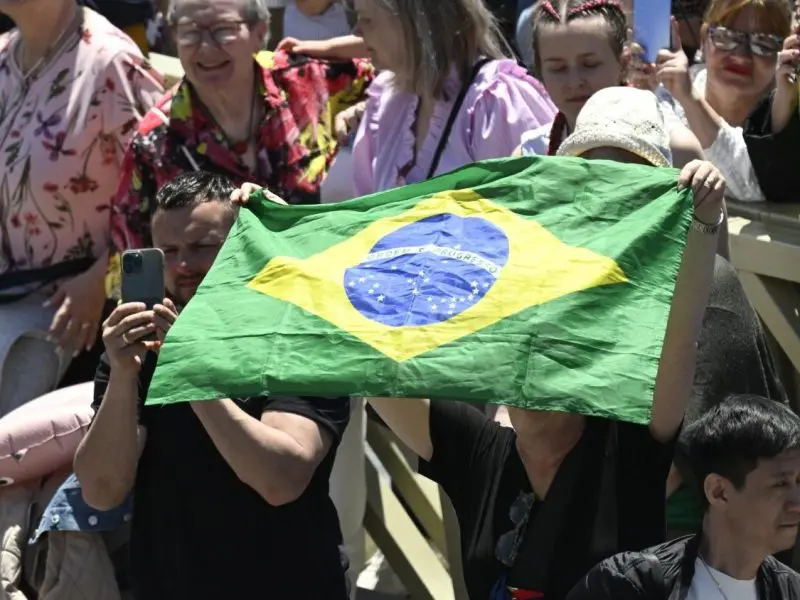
[729, 150]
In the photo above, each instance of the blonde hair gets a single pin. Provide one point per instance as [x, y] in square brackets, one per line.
[775, 16]
[441, 35]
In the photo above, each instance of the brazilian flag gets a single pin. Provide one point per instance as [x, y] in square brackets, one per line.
[541, 283]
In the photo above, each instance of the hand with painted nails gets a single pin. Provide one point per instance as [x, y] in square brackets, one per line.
[708, 187]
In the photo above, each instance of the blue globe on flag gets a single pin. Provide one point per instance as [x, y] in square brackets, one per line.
[429, 271]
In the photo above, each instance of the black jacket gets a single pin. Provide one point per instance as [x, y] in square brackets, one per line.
[665, 572]
[775, 156]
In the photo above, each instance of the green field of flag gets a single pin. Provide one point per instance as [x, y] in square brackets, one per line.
[541, 283]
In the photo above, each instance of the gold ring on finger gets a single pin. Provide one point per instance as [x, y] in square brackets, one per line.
[125, 339]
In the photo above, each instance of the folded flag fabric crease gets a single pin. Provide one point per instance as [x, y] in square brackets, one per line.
[541, 283]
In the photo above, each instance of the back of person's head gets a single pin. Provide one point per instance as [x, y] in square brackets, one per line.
[772, 16]
[734, 437]
[621, 118]
[193, 188]
[549, 13]
[437, 37]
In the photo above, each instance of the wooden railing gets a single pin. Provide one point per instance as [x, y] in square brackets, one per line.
[765, 249]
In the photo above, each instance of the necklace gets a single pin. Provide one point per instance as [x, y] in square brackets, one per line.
[51, 50]
[240, 148]
[714, 579]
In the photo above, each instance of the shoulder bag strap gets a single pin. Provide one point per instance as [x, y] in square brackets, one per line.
[453, 114]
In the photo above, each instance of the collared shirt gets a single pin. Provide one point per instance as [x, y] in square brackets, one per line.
[296, 141]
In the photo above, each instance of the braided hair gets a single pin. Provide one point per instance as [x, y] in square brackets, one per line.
[554, 12]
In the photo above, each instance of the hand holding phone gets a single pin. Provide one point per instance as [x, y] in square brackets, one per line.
[143, 278]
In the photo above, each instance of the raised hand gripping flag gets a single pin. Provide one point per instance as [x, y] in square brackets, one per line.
[535, 282]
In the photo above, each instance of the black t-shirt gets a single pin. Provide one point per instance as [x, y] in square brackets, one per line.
[199, 533]
[476, 462]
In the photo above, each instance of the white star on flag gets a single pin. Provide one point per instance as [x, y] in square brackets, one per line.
[381, 298]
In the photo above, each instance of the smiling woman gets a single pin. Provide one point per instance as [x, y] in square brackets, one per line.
[250, 115]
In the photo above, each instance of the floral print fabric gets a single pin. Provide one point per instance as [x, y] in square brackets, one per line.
[301, 96]
[63, 135]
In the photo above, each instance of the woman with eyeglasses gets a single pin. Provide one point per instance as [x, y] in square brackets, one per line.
[253, 116]
[741, 40]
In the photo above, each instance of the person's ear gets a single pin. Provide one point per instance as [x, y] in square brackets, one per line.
[717, 490]
[260, 35]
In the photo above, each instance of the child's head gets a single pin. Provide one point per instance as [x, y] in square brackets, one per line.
[622, 124]
[579, 48]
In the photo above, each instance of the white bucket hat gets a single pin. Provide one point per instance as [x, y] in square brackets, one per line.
[625, 118]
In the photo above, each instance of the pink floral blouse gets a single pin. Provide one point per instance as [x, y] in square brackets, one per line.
[502, 103]
[63, 135]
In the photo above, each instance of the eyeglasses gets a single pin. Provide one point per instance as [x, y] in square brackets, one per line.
[760, 44]
[508, 544]
[221, 33]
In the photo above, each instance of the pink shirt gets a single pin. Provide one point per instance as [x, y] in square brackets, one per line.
[502, 103]
[62, 138]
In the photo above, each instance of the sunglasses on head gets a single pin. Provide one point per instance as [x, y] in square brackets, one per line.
[759, 44]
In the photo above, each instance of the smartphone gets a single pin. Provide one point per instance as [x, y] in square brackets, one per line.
[143, 276]
[652, 28]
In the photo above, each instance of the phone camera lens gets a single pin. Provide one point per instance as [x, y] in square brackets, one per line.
[131, 262]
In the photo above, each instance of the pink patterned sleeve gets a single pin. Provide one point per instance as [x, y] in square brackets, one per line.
[513, 103]
[133, 87]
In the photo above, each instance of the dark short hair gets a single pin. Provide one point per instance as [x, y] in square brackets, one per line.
[193, 188]
[731, 438]
[555, 12]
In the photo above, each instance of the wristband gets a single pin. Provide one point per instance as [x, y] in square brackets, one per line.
[707, 228]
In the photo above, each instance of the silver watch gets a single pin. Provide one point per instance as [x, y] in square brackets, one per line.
[705, 228]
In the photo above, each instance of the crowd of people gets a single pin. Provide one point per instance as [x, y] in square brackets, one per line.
[264, 496]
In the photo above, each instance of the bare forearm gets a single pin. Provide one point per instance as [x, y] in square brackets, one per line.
[268, 460]
[704, 122]
[106, 460]
[676, 367]
[409, 419]
[348, 47]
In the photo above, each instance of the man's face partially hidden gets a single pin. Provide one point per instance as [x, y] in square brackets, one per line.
[190, 238]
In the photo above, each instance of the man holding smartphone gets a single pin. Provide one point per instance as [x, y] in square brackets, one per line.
[230, 496]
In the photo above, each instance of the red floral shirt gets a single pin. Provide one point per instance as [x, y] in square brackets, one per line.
[302, 95]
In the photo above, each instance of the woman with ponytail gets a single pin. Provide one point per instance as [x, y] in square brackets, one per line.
[579, 48]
